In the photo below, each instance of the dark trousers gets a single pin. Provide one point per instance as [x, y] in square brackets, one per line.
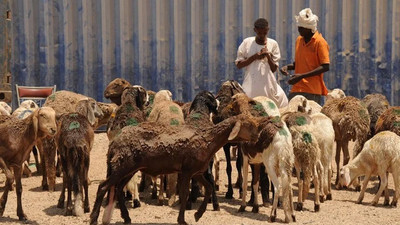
[314, 97]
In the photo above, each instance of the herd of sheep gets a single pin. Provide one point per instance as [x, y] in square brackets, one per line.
[144, 127]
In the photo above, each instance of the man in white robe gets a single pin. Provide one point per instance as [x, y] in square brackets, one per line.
[260, 56]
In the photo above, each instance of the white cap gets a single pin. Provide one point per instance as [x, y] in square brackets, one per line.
[307, 19]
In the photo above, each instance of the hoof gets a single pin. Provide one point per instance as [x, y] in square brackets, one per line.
[273, 218]
[255, 209]
[216, 207]
[321, 199]
[127, 221]
[160, 202]
[294, 218]
[197, 216]
[242, 208]
[154, 195]
[250, 202]
[229, 195]
[386, 202]
[68, 212]
[22, 218]
[128, 196]
[182, 223]
[86, 209]
[217, 187]
[394, 203]
[60, 204]
[45, 187]
[265, 204]
[329, 197]
[358, 188]
[299, 206]
[136, 203]
[316, 208]
[358, 202]
[374, 203]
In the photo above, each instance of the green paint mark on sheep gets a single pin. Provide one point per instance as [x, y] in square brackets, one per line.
[307, 138]
[196, 116]
[271, 105]
[396, 111]
[148, 111]
[174, 122]
[74, 115]
[283, 132]
[52, 97]
[396, 124]
[276, 119]
[258, 107]
[151, 99]
[174, 109]
[132, 122]
[74, 125]
[301, 120]
[129, 108]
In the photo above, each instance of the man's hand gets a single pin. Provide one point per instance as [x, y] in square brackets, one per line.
[284, 70]
[262, 53]
[294, 79]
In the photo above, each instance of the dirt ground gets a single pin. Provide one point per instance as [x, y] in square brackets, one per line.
[40, 206]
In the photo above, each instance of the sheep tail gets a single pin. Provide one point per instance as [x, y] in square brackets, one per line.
[110, 207]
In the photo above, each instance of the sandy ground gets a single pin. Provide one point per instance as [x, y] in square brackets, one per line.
[40, 206]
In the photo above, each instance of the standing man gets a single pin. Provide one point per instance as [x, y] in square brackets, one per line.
[311, 59]
[260, 55]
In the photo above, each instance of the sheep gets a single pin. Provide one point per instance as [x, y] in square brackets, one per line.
[166, 112]
[114, 90]
[16, 142]
[224, 95]
[108, 109]
[74, 141]
[182, 149]
[380, 155]
[203, 105]
[376, 105]
[389, 120]
[5, 109]
[325, 134]
[350, 121]
[297, 101]
[307, 156]
[129, 113]
[335, 94]
[273, 148]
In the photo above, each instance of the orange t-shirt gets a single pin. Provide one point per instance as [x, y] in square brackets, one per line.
[309, 56]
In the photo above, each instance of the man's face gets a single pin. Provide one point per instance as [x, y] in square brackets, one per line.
[261, 33]
[304, 31]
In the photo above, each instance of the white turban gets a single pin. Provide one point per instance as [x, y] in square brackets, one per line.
[307, 19]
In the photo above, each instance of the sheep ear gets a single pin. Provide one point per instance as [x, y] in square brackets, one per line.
[90, 114]
[235, 131]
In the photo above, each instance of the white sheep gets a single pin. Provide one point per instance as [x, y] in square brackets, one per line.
[297, 101]
[335, 93]
[25, 109]
[380, 155]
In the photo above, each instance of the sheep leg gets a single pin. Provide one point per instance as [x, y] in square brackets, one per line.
[8, 186]
[85, 183]
[101, 192]
[244, 183]
[256, 183]
[287, 194]
[121, 200]
[229, 193]
[364, 187]
[136, 199]
[183, 197]
[216, 168]
[209, 177]
[300, 179]
[161, 192]
[203, 206]
[337, 160]
[51, 167]
[396, 182]
[37, 163]
[43, 160]
[61, 200]
[18, 174]
[154, 190]
[264, 183]
[274, 179]
[239, 162]
[172, 181]
[317, 179]
[329, 193]
[68, 211]
[384, 180]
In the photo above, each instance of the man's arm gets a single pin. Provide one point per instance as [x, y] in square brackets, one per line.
[271, 63]
[259, 55]
[297, 77]
[284, 70]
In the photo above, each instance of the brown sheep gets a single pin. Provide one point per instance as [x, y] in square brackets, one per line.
[16, 141]
[108, 109]
[228, 89]
[74, 142]
[350, 121]
[114, 90]
[389, 120]
[376, 105]
[175, 149]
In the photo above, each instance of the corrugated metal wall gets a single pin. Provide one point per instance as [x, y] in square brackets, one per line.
[190, 45]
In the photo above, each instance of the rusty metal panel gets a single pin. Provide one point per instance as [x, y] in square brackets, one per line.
[190, 45]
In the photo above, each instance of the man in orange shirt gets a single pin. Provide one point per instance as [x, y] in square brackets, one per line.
[311, 59]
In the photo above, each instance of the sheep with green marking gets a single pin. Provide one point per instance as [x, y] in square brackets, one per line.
[307, 155]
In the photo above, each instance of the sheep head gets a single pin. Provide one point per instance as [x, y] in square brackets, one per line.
[6, 107]
[245, 129]
[344, 176]
[89, 108]
[135, 94]
[114, 90]
[163, 95]
[29, 104]
[44, 120]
